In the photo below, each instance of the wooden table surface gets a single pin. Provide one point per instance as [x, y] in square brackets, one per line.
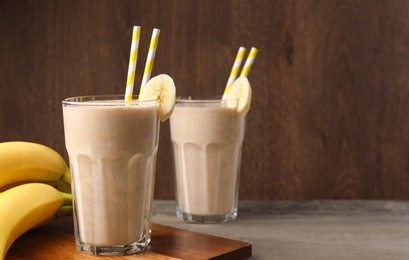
[284, 230]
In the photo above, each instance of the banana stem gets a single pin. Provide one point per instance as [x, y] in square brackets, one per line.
[64, 211]
[67, 199]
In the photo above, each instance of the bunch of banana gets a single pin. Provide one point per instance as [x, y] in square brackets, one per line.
[34, 189]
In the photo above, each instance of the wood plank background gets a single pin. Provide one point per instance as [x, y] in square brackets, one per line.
[329, 118]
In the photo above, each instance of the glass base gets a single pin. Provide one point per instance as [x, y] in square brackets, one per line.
[206, 219]
[112, 250]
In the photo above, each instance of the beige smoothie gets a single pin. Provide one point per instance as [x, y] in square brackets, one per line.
[112, 152]
[207, 139]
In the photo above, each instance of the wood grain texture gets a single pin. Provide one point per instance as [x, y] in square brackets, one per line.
[56, 241]
[330, 83]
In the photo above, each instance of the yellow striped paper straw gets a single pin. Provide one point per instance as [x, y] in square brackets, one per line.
[133, 56]
[151, 58]
[234, 70]
[249, 61]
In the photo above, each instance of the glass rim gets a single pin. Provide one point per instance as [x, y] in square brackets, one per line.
[200, 99]
[104, 100]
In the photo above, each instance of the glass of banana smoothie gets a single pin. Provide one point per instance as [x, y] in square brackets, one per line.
[207, 138]
[112, 147]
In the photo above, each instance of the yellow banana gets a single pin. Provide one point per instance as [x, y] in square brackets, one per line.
[23, 162]
[64, 211]
[24, 207]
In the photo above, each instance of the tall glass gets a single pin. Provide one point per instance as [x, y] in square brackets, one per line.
[207, 138]
[112, 147]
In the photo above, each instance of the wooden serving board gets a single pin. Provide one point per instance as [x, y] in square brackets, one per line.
[56, 241]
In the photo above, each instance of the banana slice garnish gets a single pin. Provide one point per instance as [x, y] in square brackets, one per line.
[163, 88]
[239, 95]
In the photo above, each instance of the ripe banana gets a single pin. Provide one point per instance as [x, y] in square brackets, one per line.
[24, 207]
[23, 162]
